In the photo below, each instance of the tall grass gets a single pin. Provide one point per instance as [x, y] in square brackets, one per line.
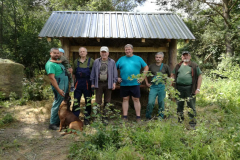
[216, 135]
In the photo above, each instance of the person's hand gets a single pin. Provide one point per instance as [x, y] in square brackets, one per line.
[119, 80]
[197, 91]
[70, 70]
[148, 84]
[92, 86]
[61, 92]
[114, 86]
[140, 80]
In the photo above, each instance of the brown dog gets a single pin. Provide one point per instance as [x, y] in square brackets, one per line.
[67, 118]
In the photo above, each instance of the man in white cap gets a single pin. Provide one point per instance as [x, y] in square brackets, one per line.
[103, 77]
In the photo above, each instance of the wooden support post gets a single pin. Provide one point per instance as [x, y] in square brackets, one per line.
[143, 40]
[49, 39]
[66, 47]
[186, 40]
[172, 60]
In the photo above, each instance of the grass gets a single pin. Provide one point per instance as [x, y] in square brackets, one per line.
[216, 135]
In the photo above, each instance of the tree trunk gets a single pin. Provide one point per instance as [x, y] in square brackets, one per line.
[1, 29]
[228, 39]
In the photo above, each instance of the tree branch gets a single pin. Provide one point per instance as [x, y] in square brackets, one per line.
[215, 9]
[233, 5]
[212, 3]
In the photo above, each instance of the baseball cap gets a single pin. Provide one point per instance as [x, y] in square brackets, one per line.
[185, 52]
[104, 48]
[61, 50]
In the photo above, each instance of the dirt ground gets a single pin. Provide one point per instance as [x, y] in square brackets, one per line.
[28, 138]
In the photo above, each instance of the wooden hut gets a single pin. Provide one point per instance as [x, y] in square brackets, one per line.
[147, 32]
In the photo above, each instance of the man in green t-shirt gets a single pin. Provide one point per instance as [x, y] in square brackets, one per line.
[59, 83]
[188, 79]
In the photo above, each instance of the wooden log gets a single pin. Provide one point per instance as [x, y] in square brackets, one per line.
[172, 59]
[66, 47]
[121, 49]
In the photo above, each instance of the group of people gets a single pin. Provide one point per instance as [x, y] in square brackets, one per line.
[101, 75]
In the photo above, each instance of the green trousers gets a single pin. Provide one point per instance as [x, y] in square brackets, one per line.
[62, 81]
[156, 90]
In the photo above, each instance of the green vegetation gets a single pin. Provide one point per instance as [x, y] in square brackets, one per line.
[215, 137]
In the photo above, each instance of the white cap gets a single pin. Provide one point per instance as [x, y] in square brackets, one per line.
[104, 48]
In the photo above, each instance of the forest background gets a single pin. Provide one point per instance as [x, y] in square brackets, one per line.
[216, 26]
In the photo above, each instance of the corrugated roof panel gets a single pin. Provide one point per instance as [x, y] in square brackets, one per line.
[63, 32]
[46, 26]
[89, 24]
[114, 26]
[165, 26]
[87, 21]
[53, 25]
[175, 27]
[93, 26]
[136, 28]
[128, 24]
[122, 27]
[107, 24]
[79, 25]
[150, 27]
[59, 26]
[160, 27]
[156, 27]
[71, 27]
[142, 25]
[184, 28]
[171, 26]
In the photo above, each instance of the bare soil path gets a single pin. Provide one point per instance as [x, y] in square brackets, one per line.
[28, 138]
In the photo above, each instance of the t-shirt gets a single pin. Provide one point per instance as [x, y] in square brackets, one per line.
[65, 62]
[153, 68]
[129, 66]
[185, 75]
[53, 68]
[103, 70]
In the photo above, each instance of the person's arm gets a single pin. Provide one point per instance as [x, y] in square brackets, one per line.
[92, 76]
[57, 61]
[115, 76]
[145, 70]
[199, 82]
[55, 85]
[148, 84]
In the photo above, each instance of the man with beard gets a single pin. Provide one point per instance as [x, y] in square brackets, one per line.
[59, 82]
[188, 79]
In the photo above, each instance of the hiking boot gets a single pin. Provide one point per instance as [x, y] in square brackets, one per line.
[53, 127]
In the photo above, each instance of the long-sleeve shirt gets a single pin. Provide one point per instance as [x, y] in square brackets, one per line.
[112, 72]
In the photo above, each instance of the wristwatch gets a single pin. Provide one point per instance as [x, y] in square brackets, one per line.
[198, 90]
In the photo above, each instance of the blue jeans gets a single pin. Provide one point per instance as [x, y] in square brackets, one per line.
[156, 90]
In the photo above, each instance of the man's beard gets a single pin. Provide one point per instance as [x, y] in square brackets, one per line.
[186, 60]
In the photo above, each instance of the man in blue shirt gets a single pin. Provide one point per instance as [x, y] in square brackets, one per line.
[129, 65]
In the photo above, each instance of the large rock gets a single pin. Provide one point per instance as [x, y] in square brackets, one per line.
[11, 76]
